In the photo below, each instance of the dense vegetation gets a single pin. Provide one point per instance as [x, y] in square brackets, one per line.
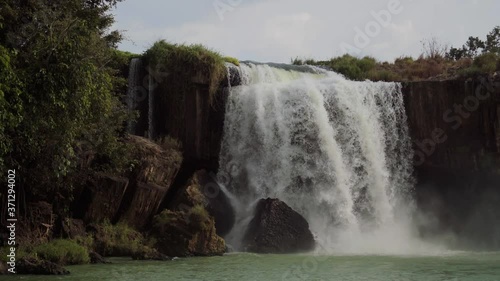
[63, 252]
[435, 62]
[60, 108]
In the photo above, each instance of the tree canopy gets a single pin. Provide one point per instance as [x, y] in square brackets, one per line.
[57, 98]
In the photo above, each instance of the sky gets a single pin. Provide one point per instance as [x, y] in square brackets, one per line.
[279, 30]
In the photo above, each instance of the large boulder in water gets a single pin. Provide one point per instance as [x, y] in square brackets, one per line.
[277, 228]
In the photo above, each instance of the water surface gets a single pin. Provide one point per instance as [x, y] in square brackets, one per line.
[243, 267]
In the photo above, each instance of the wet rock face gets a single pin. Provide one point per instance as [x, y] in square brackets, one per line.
[455, 128]
[276, 228]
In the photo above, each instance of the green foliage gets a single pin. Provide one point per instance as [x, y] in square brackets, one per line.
[308, 61]
[198, 217]
[383, 75]
[118, 240]
[232, 60]
[63, 252]
[475, 46]
[483, 64]
[21, 252]
[10, 104]
[351, 67]
[404, 61]
[86, 241]
[59, 100]
[180, 64]
[164, 219]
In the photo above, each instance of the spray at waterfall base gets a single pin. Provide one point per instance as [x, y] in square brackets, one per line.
[336, 151]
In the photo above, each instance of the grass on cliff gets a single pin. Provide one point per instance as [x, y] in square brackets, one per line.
[232, 60]
[196, 217]
[118, 240]
[199, 217]
[180, 64]
[407, 68]
[63, 252]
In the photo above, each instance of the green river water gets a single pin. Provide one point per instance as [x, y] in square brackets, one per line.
[242, 267]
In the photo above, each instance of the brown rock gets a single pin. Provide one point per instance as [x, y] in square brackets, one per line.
[35, 266]
[145, 202]
[101, 198]
[157, 164]
[146, 253]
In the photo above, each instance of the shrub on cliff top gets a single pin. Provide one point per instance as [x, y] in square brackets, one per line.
[182, 63]
[483, 64]
[63, 252]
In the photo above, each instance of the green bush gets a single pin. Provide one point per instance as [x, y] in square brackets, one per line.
[404, 60]
[486, 62]
[118, 240]
[198, 216]
[63, 252]
[58, 98]
[483, 64]
[383, 75]
[20, 253]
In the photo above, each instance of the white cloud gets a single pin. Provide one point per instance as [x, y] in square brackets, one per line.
[277, 30]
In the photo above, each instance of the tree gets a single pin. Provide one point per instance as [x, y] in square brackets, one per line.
[492, 44]
[475, 46]
[61, 65]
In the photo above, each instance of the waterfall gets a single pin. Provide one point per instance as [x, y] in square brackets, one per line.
[134, 84]
[336, 151]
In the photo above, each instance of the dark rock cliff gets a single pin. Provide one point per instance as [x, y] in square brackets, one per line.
[192, 119]
[455, 127]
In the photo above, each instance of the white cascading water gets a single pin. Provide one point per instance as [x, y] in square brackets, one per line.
[336, 151]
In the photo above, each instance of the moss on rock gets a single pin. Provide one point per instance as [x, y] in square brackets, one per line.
[187, 233]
